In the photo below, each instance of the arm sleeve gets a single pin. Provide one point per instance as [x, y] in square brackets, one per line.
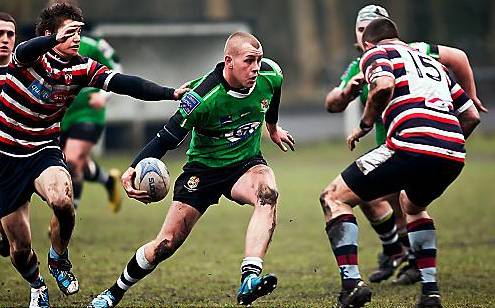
[271, 116]
[131, 85]
[375, 63]
[168, 138]
[351, 71]
[460, 100]
[30, 51]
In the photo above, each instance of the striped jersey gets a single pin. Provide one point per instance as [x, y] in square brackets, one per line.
[3, 72]
[36, 95]
[421, 117]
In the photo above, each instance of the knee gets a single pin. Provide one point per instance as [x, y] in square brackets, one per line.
[327, 198]
[164, 248]
[267, 195]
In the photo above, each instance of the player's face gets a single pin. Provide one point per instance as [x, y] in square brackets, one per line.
[360, 27]
[70, 47]
[7, 39]
[246, 65]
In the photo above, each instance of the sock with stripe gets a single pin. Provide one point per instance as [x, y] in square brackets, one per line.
[93, 172]
[27, 265]
[251, 265]
[387, 231]
[422, 237]
[137, 268]
[342, 232]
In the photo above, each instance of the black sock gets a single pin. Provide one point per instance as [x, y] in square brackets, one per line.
[137, 268]
[387, 231]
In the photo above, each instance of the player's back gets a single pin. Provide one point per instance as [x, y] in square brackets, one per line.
[421, 117]
[424, 76]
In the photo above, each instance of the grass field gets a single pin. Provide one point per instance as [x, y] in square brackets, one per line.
[205, 271]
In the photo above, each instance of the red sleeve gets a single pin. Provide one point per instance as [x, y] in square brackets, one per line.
[375, 63]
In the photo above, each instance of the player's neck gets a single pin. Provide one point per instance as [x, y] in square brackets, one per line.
[231, 81]
[388, 41]
[62, 56]
[5, 60]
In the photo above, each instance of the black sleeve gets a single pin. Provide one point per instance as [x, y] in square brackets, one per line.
[30, 51]
[271, 116]
[168, 138]
[137, 87]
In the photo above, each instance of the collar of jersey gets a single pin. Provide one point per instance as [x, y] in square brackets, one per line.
[237, 93]
[52, 54]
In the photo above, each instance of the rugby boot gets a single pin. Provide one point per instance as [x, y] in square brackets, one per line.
[113, 190]
[253, 287]
[407, 275]
[39, 297]
[430, 300]
[104, 300]
[356, 297]
[61, 270]
[386, 266]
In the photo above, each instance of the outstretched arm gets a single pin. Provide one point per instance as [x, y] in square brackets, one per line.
[136, 87]
[457, 61]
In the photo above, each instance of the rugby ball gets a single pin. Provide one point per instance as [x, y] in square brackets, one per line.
[152, 176]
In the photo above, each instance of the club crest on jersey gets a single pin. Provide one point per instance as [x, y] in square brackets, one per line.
[189, 102]
[192, 183]
[40, 91]
[68, 78]
[265, 103]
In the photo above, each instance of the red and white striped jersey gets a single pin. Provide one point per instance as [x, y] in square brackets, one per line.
[35, 97]
[422, 114]
[3, 73]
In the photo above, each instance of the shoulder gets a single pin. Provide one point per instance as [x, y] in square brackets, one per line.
[426, 48]
[272, 72]
[372, 55]
[351, 70]
[268, 65]
[206, 85]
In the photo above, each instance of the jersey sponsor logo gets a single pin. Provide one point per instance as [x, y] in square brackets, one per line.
[39, 90]
[225, 120]
[265, 103]
[242, 132]
[192, 183]
[189, 102]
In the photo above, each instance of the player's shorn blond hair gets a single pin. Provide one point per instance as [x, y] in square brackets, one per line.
[236, 39]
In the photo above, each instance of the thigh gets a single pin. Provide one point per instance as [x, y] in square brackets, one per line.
[198, 187]
[250, 185]
[431, 180]
[16, 227]
[54, 183]
[376, 174]
[77, 149]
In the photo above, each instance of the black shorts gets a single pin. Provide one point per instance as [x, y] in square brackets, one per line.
[382, 171]
[200, 186]
[17, 175]
[86, 131]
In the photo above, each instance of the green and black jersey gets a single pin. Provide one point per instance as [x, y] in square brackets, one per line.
[226, 123]
[80, 111]
[353, 69]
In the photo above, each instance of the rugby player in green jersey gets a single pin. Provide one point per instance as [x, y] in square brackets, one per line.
[225, 111]
[82, 127]
[390, 224]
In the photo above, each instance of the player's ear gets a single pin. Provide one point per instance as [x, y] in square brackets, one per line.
[367, 45]
[229, 61]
